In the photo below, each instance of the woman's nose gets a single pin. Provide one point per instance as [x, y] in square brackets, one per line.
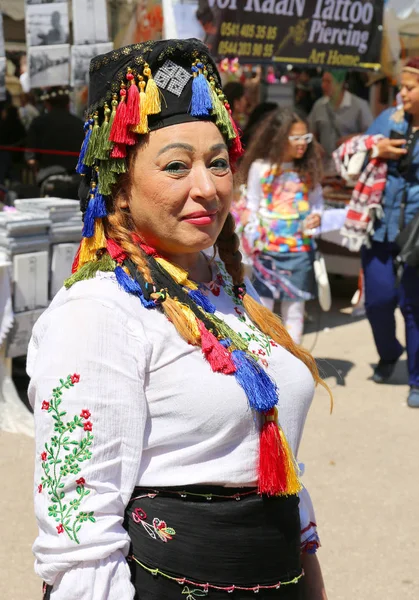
[203, 185]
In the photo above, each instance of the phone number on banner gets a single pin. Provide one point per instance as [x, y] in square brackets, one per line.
[254, 49]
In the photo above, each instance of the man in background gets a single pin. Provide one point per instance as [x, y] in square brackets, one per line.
[57, 129]
[337, 116]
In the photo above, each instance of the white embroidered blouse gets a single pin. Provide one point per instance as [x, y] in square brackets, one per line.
[121, 400]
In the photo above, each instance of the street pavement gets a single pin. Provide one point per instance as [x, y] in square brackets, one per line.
[361, 471]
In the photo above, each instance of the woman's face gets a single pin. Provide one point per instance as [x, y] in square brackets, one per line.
[409, 92]
[296, 147]
[181, 187]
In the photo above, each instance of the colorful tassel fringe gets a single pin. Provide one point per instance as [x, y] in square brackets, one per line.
[90, 246]
[260, 390]
[132, 287]
[278, 474]
[96, 209]
[81, 168]
[201, 300]
[218, 357]
[89, 270]
[91, 150]
[201, 104]
[152, 104]
[133, 101]
[142, 124]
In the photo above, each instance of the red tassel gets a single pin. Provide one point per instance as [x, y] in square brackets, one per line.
[272, 469]
[236, 149]
[120, 124]
[115, 251]
[75, 265]
[133, 101]
[119, 151]
[218, 357]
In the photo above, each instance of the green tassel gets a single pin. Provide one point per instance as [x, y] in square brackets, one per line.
[118, 165]
[226, 332]
[89, 270]
[107, 146]
[102, 151]
[106, 178]
[223, 120]
[90, 157]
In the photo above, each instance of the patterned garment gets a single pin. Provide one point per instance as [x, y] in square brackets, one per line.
[283, 209]
[365, 205]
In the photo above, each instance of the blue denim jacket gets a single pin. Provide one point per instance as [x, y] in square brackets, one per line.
[388, 227]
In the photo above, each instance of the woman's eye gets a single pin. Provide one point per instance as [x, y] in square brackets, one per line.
[176, 167]
[220, 163]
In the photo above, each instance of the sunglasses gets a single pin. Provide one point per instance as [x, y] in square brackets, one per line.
[305, 139]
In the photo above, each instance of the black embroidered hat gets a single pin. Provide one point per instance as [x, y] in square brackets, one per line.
[135, 90]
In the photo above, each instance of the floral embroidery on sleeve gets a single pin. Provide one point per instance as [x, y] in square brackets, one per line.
[61, 458]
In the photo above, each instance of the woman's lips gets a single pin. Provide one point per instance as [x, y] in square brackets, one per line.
[201, 218]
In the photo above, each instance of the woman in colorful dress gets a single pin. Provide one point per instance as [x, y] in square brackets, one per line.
[169, 404]
[284, 203]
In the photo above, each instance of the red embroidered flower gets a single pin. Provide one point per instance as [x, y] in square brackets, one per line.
[274, 344]
[44, 456]
[264, 362]
[75, 378]
[261, 352]
[60, 528]
[238, 311]
[40, 488]
[85, 414]
[138, 514]
[88, 426]
[81, 481]
[45, 405]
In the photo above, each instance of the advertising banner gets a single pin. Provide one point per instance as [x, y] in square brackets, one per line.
[323, 33]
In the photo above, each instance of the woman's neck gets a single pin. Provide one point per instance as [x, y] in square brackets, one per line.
[415, 121]
[196, 264]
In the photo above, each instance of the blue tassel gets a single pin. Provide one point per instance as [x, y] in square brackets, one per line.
[201, 104]
[226, 342]
[260, 390]
[89, 220]
[132, 287]
[96, 209]
[201, 300]
[81, 168]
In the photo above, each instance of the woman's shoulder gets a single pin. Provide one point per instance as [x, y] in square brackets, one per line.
[101, 296]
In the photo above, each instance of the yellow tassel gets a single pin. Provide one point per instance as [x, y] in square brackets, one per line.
[191, 319]
[142, 126]
[293, 483]
[152, 94]
[89, 246]
[177, 274]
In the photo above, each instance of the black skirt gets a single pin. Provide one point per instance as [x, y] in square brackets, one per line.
[193, 542]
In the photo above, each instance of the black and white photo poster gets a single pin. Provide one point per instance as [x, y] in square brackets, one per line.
[49, 65]
[80, 61]
[90, 22]
[2, 50]
[47, 23]
[2, 78]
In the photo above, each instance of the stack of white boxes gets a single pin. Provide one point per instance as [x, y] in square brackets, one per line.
[64, 234]
[24, 240]
[41, 239]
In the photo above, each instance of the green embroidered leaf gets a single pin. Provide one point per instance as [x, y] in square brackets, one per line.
[170, 531]
[92, 519]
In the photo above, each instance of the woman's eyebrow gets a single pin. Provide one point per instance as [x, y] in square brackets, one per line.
[220, 146]
[177, 145]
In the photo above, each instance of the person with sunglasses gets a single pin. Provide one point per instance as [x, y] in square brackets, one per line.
[284, 204]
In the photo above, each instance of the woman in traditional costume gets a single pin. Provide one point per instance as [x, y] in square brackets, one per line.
[169, 404]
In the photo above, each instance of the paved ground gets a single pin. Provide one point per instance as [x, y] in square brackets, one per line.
[361, 469]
